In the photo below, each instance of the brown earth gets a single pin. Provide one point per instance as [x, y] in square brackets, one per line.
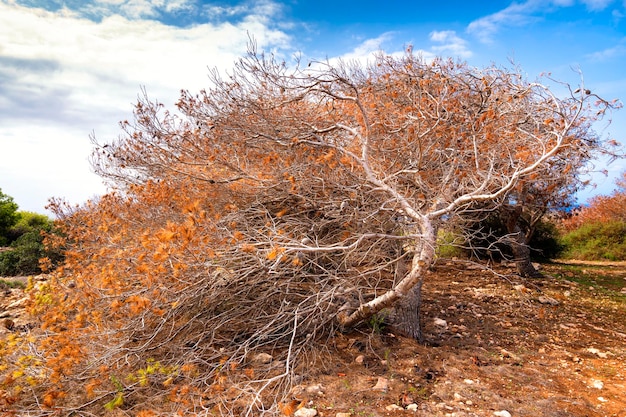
[547, 347]
[496, 345]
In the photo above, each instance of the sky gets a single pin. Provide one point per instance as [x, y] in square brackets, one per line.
[73, 69]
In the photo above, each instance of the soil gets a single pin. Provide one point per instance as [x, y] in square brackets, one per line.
[496, 345]
[527, 347]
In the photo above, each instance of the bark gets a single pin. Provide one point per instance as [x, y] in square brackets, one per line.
[518, 242]
[405, 297]
[406, 318]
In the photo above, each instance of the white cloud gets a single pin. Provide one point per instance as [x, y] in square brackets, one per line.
[609, 53]
[63, 75]
[517, 14]
[449, 44]
[521, 14]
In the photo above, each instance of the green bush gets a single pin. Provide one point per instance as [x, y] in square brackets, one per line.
[8, 217]
[596, 241]
[26, 248]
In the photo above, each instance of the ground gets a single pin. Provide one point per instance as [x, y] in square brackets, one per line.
[496, 345]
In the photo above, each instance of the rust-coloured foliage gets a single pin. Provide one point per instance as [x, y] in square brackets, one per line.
[275, 208]
[600, 209]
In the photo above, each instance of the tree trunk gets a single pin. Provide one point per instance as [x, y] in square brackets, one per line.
[405, 297]
[518, 242]
[521, 256]
[406, 317]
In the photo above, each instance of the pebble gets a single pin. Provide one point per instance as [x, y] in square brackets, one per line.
[597, 352]
[316, 389]
[548, 300]
[264, 358]
[360, 359]
[596, 383]
[343, 415]
[440, 322]
[382, 384]
[393, 407]
[305, 412]
[502, 413]
[411, 407]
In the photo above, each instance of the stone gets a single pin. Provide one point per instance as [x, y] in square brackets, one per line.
[412, 407]
[597, 352]
[596, 383]
[547, 300]
[393, 407]
[343, 415]
[316, 389]
[360, 359]
[305, 412]
[382, 384]
[502, 413]
[440, 322]
[263, 358]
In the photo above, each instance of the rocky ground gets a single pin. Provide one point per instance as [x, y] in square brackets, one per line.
[497, 345]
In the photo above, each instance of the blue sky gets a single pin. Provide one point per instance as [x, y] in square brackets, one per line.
[69, 68]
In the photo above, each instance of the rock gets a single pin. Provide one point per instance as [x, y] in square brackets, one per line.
[316, 389]
[343, 415]
[20, 303]
[596, 383]
[394, 407]
[440, 322]
[507, 354]
[548, 300]
[305, 412]
[263, 358]
[502, 413]
[8, 324]
[382, 384]
[411, 407]
[598, 353]
[360, 359]
[521, 288]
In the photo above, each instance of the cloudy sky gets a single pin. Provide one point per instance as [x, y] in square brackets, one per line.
[75, 67]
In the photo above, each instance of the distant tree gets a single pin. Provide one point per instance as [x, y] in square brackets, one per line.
[27, 246]
[279, 206]
[8, 217]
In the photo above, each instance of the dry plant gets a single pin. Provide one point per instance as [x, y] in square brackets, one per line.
[276, 208]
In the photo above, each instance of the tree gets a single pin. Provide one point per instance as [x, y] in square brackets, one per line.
[279, 206]
[27, 248]
[8, 216]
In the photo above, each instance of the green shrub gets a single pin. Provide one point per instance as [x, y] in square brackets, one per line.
[8, 217]
[27, 246]
[597, 241]
[450, 244]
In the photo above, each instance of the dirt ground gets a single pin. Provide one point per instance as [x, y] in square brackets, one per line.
[496, 345]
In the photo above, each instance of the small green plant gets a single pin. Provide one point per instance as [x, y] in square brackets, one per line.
[377, 322]
[118, 400]
[8, 283]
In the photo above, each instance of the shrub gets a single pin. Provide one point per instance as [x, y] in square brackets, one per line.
[8, 216]
[27, 246]
[597, 241]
